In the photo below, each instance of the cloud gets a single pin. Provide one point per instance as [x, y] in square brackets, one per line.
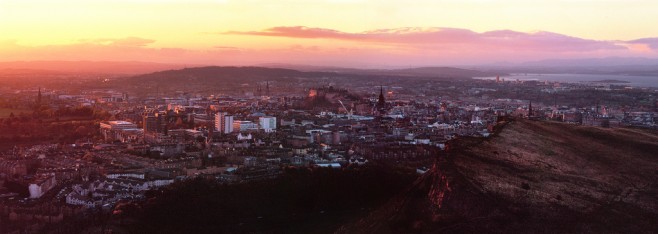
[109, 49]
[121, 42]
[297, 32]
[651, 42]
[321, 46]
[441, 37]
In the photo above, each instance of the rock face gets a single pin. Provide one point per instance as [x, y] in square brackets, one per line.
[532, 177]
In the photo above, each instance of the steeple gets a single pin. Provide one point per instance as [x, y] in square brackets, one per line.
[530, 109]
[381, 102]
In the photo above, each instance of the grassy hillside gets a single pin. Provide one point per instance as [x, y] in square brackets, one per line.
[533, 177]
[300, 201]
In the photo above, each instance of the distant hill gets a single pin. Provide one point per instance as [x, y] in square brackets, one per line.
[444, 72]
[228, 71]
[533, 177]
[217, 77]
[88, 67]
[441, 71]
[223, 75]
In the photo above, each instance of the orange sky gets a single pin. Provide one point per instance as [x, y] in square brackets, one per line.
[332, 32]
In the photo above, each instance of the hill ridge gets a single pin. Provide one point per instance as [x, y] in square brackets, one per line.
[518, 181]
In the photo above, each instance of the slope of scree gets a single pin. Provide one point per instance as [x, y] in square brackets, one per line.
[532, 177]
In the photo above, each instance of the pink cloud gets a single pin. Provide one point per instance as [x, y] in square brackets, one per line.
[651, 42]
[384, 47]
[498, 40]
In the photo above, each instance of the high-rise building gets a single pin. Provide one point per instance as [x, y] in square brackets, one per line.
[224, 122]
[267, 123]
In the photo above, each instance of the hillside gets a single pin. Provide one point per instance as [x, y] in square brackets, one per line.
[442, 72]
[533, 177]
[299, 201]
[248, 79]
[211, 79]
[237, 74]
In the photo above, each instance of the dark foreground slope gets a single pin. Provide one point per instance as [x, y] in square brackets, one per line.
[533, 177]
[300, 201]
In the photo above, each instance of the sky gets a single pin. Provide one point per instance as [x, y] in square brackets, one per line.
[354, 33]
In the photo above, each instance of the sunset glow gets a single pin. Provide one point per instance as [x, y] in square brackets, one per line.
[337, 32]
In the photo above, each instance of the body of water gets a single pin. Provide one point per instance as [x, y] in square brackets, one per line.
[636, 81]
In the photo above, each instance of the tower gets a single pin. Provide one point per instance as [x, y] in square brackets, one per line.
[224, 122]
[381, 101]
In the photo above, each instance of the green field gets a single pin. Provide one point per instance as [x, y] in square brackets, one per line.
[5, 112]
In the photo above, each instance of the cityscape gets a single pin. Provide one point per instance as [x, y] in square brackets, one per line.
[120, 136]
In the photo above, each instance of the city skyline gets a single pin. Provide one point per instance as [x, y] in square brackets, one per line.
[331, 32]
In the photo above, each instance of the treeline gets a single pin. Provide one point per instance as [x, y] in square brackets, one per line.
[60, 132]
[48, 114]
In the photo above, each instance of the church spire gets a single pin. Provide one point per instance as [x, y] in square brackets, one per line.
[381, 100]
[530, 109]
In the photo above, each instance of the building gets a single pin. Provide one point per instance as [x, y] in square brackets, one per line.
[244, 125]
[154, 123]
[41, 186]
[204, 119]
[224, 122]
[250, 161]
[123, 131]
[267, 123]
[118, 125]
[381, 101]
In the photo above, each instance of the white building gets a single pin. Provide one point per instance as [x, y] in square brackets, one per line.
[245, 137]
[74, 198]
[41, 185]
[267, 123]
[126, 174]
[224, 122]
